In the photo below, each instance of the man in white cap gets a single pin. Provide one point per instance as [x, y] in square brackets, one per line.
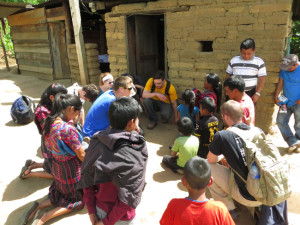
[289, 81]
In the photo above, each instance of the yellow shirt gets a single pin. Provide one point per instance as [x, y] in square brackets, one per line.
[172, 91]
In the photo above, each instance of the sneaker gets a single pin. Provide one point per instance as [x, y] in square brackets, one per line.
[294, 148]
[234, 214]
[151, 125]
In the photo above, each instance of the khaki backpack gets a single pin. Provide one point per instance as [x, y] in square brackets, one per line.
[273, 186]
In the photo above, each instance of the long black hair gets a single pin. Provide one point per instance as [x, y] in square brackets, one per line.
[188, 96]
[61, 102]
[214, 80]
[45, 101]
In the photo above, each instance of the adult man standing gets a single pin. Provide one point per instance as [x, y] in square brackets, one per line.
[159, 95]
[97, 117]
[250, 67]
[113, 170]
[231, 146]
[234, 88]
[289, 81]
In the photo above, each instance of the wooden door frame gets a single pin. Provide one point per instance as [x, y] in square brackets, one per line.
[165, 40]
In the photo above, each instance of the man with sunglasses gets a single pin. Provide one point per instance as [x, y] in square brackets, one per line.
[162, 98]
[97, 117]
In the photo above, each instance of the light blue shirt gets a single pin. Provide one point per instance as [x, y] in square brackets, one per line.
[184, 112]
[291, 85]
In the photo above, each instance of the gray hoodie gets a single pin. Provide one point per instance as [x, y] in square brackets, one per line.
[120, 157]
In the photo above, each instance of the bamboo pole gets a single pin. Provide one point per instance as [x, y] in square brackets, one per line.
[3, 48]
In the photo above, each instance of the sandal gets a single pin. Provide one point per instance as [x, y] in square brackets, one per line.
[23, 174]
[38, 217]
[30, 211]
[29, 162]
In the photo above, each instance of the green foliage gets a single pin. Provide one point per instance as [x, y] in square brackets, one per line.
[295, 42]
[31, 2]
[7, 39]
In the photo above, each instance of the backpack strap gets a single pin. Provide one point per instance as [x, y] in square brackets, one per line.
[166, 90]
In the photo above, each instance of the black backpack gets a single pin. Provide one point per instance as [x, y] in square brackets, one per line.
[22, 110]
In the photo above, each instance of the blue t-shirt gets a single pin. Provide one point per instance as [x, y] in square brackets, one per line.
[97, 117]
[291, 85]
[184, 112]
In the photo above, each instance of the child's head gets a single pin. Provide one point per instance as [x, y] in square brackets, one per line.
[50, 92]
[123, 112]
[212, 81]
[197, 173]
[91, 92]
[185, 126]
[188, 96]
[207, 106]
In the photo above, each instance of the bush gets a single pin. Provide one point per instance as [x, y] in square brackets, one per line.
[295, 41]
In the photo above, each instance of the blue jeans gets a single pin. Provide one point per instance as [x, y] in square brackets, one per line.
[283, 124]
[153, 106]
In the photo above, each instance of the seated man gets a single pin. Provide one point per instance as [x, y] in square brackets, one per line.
[113, 170]
[231, 146]
[159, 95]
[97, 117]
[234, 88]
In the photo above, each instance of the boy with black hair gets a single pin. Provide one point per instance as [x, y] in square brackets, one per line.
[196, 208]
[91, 92]
[207, 125]
[184, 148]
[113, 170]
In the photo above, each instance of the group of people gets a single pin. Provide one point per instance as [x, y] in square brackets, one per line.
[101, 161]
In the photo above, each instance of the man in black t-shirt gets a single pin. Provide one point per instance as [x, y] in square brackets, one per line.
[228, 144]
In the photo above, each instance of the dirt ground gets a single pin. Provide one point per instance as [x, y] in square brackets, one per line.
[23, 142]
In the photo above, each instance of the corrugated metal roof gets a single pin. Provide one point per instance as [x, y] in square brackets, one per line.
[8, 8]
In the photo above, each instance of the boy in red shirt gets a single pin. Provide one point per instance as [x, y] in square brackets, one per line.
[196, 209]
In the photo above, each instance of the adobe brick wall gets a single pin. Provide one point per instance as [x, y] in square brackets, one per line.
[226, 23]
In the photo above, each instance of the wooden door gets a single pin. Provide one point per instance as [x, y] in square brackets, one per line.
[146, 46]
[57, 33]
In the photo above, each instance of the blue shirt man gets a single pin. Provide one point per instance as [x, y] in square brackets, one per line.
[289, 81]
[97, 117]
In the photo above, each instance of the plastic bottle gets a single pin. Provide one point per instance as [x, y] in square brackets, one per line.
[254, 171]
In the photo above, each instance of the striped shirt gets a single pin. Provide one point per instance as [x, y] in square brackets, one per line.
[249, 70]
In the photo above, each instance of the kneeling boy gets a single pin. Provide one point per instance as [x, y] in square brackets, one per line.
[113, 170]
[196, 209]
[185, 146]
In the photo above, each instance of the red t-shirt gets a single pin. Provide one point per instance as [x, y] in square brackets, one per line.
[248, 108]
[183, 211]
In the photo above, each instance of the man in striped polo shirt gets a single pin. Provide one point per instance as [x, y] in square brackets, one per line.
[251, 68]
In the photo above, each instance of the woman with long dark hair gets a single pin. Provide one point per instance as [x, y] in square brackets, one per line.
[42, 111]
[64, 142]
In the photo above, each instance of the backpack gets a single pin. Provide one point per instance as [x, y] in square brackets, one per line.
[22, 110]
[198, 96]
[166, 90]
[272, 186]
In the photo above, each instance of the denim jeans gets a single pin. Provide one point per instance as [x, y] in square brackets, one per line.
[283, 124]
[102, 214]
[153, 106]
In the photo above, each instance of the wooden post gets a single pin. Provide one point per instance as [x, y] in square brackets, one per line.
[80, 49]
[3, 47]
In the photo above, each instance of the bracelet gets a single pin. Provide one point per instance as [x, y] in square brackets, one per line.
[257, 93]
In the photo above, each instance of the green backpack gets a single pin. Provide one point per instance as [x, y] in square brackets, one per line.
[272, 186]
